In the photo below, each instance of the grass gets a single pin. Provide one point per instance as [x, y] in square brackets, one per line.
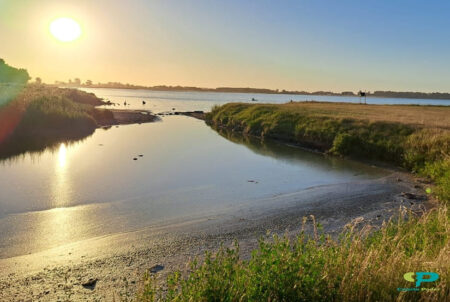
[33, 117]
[363, 265]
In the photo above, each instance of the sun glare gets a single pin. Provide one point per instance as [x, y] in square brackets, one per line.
[65, 29]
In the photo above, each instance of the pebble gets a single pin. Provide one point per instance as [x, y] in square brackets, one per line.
[156, 268]
[90, 284]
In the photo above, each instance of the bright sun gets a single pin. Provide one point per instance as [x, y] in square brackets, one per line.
[65, 29]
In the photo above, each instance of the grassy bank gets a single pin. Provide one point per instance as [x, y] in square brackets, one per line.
[360, 265]
[33, 117]
[413, 137]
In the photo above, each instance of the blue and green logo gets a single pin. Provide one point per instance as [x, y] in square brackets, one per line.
[419, 278]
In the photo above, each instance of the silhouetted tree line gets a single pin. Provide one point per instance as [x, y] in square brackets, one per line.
[9, 74]
[388, 94]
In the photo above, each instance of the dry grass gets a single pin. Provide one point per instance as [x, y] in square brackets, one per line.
[424, 116]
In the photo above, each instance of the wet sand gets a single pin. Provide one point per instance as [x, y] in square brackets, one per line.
[117, 262]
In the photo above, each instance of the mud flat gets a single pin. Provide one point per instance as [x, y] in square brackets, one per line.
[123, 117]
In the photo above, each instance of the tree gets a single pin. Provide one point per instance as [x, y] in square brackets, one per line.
[77, 81]
[38, 80]
[88, 83]
[10, 74]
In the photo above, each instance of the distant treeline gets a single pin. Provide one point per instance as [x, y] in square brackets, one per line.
[9, 74]
[386, 94]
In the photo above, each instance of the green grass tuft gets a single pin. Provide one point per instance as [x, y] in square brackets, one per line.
[361, 266]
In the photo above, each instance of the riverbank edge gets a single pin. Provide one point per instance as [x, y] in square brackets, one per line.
[423, 151]
[419, 242]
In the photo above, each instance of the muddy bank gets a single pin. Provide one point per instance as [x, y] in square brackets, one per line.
[123, 117]
[113, 265]
[195, 114]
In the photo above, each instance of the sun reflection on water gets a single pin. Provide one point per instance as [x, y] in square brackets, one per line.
[62, 155]
[61, 188]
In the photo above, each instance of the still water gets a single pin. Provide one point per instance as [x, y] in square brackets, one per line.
[94, 187]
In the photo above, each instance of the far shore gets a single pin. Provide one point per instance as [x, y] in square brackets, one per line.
[376, 94]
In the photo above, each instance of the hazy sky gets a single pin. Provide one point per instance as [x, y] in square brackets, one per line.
[295, 45]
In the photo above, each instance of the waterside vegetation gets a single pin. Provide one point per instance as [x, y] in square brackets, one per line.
[414, 137]
[33, 117]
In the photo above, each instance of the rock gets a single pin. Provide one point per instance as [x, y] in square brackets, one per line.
[141, 155]
[409, 195]
[398, 179]
[156, 268]
[90, 284]
[135, 158]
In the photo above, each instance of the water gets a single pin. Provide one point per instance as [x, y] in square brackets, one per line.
[94, 187]
[162, 101]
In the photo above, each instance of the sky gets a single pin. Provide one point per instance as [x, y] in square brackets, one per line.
[294, 45]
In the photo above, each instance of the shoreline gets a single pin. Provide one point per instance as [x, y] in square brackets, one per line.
[126, 117]
[118, 261]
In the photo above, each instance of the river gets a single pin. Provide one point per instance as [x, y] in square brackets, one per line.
[130, 177]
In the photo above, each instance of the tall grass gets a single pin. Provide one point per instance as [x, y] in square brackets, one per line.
[360, 266]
